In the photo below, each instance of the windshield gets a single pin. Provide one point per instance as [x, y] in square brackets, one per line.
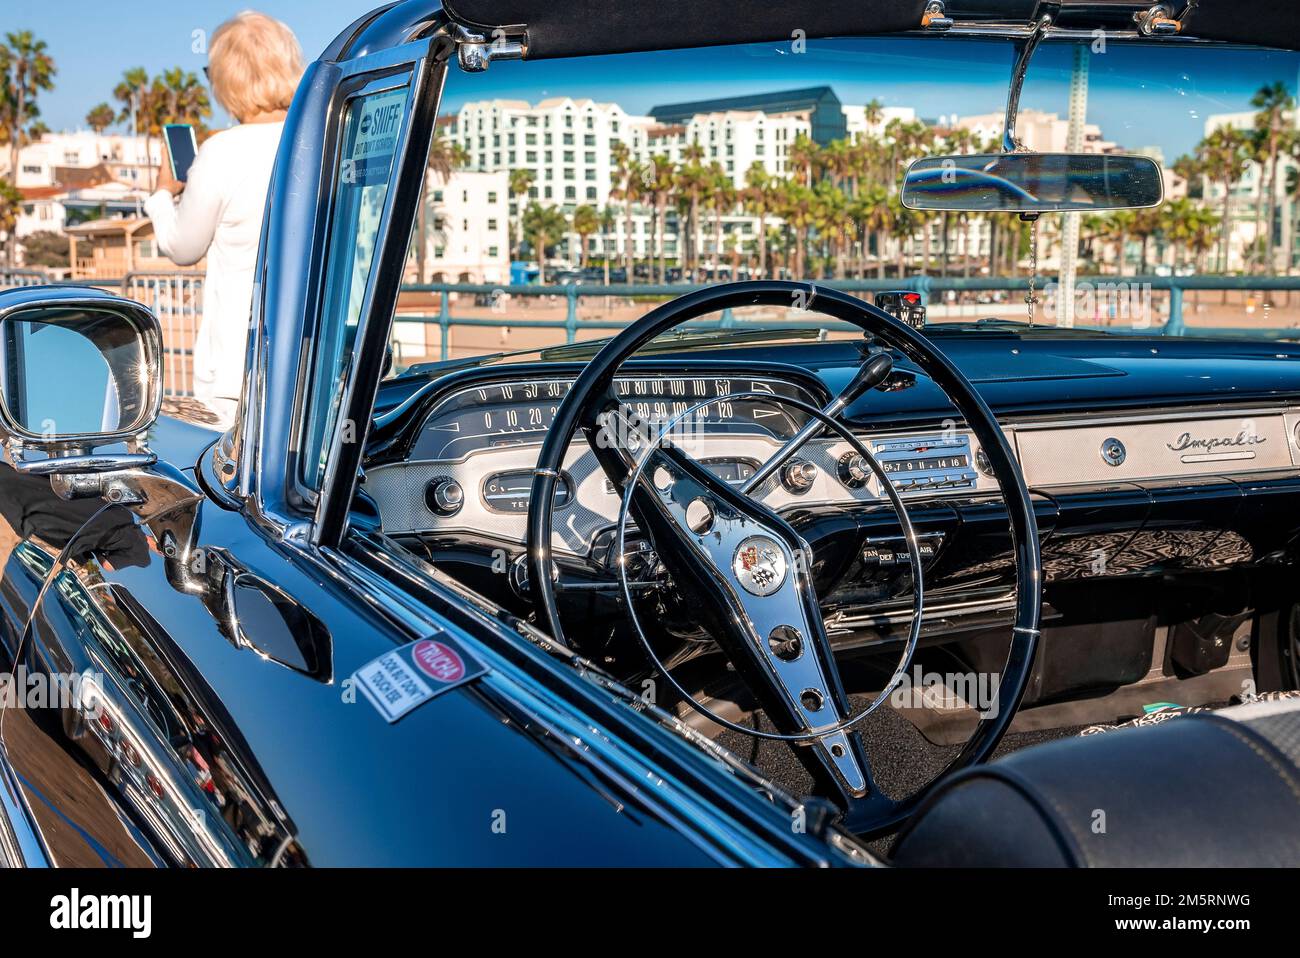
[567, 197]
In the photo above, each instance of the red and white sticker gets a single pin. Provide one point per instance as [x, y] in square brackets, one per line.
[438, 661]
[395, 683]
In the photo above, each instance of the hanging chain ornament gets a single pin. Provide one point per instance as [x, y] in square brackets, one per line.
[1032, 299]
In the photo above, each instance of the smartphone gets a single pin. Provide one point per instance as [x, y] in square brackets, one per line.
[182, 146]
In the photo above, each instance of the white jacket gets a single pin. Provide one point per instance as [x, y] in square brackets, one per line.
[220, 214]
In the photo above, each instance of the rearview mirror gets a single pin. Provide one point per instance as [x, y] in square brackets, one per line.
[78, 368]
[1032, 183]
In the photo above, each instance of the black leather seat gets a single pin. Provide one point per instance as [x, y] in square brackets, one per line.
[1210, 789]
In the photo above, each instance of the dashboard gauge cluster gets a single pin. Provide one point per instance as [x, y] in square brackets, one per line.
[469, 468]
[499, 414]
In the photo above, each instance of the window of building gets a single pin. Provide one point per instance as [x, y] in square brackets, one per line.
[570, 193]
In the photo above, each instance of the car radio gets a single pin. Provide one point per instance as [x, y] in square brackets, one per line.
[927, 462]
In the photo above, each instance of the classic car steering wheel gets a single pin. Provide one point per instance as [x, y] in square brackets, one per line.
[745, 570]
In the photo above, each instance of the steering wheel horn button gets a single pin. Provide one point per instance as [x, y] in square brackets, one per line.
[760, 565]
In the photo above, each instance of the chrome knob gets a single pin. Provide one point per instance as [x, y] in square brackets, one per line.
[444, 496]
[854, 470]
[798, 475]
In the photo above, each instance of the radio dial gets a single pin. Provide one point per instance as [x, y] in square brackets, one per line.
[444, 496]
[799, 475]
[854, 470]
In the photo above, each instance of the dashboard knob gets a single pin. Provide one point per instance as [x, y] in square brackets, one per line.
[798, 475]
[444, 496]
[854, 470]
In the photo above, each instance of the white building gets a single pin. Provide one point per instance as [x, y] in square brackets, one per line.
[855, 117]
[734, 139]
[468, 234]
[127, 159]
[567, 144]
[1037, 130]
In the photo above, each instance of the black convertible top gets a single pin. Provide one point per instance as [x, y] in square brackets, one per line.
[560, 28]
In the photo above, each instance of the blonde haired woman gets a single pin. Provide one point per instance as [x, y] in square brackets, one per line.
[254, 65]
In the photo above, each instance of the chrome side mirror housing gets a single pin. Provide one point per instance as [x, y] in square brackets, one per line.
[80, 369]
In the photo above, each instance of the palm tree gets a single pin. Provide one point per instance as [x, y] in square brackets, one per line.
[628, 173]
[136, 94]
[26, 68]
[181, 98]
[607, 218]
[1273, 103]
[902, 225]
[835, 224]
[101, 117]
[873, 211]
[11, 202]
[585, 222]
[760, 199]
[1144, 225]
[721, 201]
[796, 208]
[693, 178]
[657, 181]
[521, 181]
[542, 224]
[873, 113]
[1223, 157]
[803, 157]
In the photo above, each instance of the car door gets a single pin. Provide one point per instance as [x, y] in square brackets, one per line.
[194, 631]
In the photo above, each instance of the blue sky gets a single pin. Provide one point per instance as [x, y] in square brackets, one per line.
[1139, 95]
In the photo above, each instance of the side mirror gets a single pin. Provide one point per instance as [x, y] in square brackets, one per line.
[79, 369]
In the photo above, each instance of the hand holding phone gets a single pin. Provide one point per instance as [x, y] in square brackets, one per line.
[181, 148]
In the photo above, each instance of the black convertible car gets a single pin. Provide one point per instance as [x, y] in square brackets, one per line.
[749, 595]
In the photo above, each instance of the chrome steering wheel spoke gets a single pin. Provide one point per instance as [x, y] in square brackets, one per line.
[748, 573]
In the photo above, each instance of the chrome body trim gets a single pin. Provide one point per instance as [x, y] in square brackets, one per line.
[21, 845]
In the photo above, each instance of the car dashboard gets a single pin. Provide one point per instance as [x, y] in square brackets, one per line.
[469, 465]
[1163, 476]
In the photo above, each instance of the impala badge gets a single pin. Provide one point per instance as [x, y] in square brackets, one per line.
[1216, 448]
[759, 565]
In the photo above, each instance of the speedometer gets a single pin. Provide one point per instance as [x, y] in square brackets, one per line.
[521, 411]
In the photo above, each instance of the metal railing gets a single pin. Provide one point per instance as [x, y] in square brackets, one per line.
[177, 299]
[9, 278]
[1132, 298]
